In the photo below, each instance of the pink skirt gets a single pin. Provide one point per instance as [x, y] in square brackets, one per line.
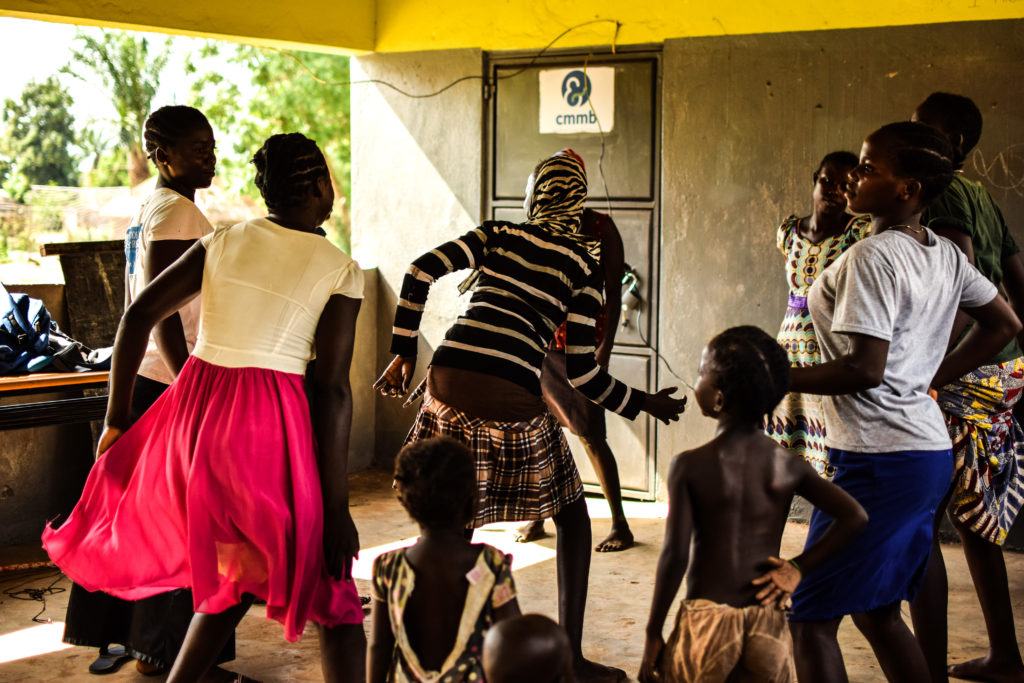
[215, 488]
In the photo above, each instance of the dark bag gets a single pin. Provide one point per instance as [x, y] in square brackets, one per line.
[30, 340]
[24, 333]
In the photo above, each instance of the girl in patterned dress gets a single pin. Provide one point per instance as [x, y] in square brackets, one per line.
[810, 245]
[434, 601]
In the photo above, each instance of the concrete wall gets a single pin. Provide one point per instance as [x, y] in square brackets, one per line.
[745, 119]
[362, 446]
[416, 182]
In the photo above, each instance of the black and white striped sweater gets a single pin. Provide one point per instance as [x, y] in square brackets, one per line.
[531, 280]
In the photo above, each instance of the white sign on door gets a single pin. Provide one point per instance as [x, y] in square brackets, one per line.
[577, 100]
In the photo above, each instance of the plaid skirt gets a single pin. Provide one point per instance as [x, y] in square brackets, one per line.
[988, 444]
[524, 470]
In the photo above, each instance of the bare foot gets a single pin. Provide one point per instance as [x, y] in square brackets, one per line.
[618, 539]
[988, 669]
[591, 672]
[530, 532]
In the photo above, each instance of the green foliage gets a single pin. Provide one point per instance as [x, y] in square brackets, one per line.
[130, 71]
[38, 139]
[108, 163]
[286, 92]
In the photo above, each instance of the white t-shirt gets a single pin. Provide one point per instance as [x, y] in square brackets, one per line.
[892, 287]
[165, 215]
[264, 289]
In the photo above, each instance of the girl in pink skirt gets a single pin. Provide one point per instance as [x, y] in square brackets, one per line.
[234, 484]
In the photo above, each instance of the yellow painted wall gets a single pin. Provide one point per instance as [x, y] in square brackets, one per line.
[523, 24]
[330, 25]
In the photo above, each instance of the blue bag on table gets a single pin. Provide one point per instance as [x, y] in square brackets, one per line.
[24, 333]
[30, 340]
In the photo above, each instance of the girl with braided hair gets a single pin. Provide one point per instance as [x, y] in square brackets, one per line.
[234, 483]
[980, 407]
[180, 142]
[483, 385]
[878, 313]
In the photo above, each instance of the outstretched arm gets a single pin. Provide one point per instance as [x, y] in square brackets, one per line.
[675, 556]
[331, 408]
[467, 251]
[588, 377]
[171, 290]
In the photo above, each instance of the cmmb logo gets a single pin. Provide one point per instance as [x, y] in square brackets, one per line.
[574, 100]
[576, 88]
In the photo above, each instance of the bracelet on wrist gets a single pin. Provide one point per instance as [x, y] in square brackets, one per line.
[796, 566]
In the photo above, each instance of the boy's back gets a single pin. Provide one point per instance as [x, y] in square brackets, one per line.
[730, 497]
[739, 489]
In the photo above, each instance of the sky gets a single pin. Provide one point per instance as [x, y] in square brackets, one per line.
[35, 50]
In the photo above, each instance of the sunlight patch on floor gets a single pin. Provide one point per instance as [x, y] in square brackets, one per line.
[634, 509]
[501, 536]
[32, 642]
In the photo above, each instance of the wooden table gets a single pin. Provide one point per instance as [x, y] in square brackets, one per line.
[60, 411]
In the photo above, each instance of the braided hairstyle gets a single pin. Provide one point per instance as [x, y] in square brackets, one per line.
[167, 125]
[288, 168]
[751, 369]
[840, 158]
[956, 115]
[437, 479]
[918, 151]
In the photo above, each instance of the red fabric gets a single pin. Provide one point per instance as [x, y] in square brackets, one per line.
[215, 488]
[600, 323]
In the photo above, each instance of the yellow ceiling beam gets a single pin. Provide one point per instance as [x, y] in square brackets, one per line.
[406, 25]
[354, 26]
[344, 26]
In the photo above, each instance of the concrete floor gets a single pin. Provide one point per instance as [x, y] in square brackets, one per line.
[620, 591]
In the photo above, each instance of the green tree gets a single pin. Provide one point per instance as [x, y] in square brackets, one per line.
[38, 139]
[108, 163]
[130, 70]
[285, 92]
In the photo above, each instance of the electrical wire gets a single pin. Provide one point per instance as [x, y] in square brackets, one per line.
[37, 595]
[608, 203]
[657, 355]
[462, 79]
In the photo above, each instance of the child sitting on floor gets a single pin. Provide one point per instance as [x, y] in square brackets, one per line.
[434, 601]
[528, 649]
[732, 495]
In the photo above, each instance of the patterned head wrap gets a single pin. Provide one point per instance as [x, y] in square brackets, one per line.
[559, 193]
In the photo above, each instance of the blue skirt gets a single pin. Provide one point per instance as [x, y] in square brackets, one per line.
[901, 492]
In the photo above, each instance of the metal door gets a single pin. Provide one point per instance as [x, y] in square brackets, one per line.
[623, 168]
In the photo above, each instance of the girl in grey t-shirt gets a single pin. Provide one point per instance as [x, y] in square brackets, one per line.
[883, 313]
